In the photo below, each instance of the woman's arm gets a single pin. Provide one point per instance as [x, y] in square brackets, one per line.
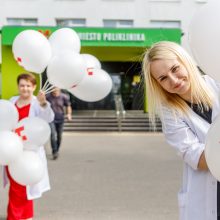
[180, 135]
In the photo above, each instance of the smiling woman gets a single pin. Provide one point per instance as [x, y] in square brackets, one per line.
[20, 204]
[187, 103]
[172, 76]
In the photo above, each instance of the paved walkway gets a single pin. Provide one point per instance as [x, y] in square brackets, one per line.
[110, 176]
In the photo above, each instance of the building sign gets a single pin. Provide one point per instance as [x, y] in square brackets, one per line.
[102, 37]
[87, 36]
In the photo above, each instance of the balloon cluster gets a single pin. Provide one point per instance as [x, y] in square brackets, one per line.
[19, 140]
[80, 74]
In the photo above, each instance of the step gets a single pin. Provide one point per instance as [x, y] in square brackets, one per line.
[136, 121]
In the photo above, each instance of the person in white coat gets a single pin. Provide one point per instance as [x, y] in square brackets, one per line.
[20, 204]
[187, 102]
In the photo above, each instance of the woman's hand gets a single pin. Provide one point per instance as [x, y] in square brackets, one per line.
[202, 165]
[41, 97]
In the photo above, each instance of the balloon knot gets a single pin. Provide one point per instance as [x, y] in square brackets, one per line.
[19, 59]
[90, 71]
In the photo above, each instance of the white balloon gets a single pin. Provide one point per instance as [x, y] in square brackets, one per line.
[11, 147]
[8, 115]
[66, 69]
[32, 50]
[33, 131]
[28, 169]
[64, 39]
[31, 148]
[95, 86]
[204, 35]
[91, 61]
[212, 148]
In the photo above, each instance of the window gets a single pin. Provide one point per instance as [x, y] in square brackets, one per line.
[69, 0]
[22, 21]
[202, 1]
[118, 23]
[22, 0]
[119, 0]
[165, 24]
[81, 22]
[165, 0]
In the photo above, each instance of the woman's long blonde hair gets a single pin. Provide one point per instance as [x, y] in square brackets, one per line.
[157, 96]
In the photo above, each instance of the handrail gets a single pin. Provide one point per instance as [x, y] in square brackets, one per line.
[120, 111]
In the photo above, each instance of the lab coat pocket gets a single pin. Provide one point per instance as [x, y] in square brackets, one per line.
[182, 198]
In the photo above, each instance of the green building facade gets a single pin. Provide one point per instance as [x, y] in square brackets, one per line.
[112, 46]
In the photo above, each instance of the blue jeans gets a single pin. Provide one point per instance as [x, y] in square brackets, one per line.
[56, 136]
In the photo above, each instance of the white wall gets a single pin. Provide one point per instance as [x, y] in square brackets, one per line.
[94, 11]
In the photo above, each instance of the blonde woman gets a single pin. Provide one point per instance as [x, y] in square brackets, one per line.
[187, 103]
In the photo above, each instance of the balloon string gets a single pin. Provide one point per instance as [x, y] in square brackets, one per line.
[40, 82]
[45, 85]
[50, 89]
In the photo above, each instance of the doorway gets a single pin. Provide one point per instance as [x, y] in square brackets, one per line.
[127, 82]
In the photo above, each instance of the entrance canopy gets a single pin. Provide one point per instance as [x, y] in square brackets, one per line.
[108, 44]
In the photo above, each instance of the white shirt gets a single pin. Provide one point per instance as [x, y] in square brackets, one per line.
[46, 113]
[197, 197]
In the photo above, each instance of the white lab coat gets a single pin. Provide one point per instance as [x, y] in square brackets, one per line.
[36, 190]
[197, 197]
